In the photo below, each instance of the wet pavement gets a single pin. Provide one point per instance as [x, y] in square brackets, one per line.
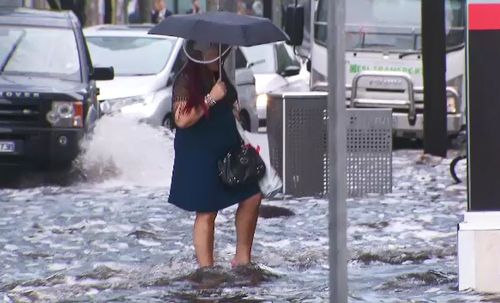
[114, 238]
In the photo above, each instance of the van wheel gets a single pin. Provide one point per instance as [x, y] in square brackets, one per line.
[245, 120]
[167, 122]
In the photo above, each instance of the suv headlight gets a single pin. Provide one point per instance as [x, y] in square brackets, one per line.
[451, 104]
[453, 100]
[66, 114]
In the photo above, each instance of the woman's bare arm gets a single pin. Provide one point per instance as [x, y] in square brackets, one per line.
[185, 119]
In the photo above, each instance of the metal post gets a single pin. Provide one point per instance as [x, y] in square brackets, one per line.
[337, 152]
[434, 62]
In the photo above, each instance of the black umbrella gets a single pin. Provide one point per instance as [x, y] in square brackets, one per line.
[221, 27]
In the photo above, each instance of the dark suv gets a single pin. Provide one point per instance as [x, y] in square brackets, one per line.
[48, 96]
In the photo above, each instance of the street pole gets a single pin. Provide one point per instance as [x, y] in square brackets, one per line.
[337, 152]
[434, 63]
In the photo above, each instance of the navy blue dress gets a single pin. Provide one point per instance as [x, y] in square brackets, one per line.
[195, 182]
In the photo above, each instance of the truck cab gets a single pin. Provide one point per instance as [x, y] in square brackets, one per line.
[384, 59]
[48, 95]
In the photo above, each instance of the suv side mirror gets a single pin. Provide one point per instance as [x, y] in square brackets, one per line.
[290, 70]
[103, 73]
[294, 24]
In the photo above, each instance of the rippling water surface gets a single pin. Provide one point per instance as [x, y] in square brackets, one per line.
[114, 237]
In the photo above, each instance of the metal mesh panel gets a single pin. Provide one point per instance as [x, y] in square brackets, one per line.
[299, 150]
[305, 147]
[369, 151]
[275, 133]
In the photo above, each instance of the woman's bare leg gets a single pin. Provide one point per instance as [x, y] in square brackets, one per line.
[246, 222]
[203, 238]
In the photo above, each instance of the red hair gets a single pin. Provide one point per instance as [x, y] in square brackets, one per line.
[196, 97]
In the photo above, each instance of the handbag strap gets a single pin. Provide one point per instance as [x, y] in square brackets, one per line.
[241, 132]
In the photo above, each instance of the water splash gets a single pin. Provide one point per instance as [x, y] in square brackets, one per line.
[412, 280]
[218, 276]
[403, 257]
[122, 151]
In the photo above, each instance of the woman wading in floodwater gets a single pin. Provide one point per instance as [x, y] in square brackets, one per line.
[206, 130]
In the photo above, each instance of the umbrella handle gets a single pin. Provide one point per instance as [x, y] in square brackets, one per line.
[201, 61]
[220, 62]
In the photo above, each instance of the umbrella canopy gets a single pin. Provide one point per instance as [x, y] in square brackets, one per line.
[221, 27]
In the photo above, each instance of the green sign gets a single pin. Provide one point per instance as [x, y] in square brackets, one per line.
[357, 68]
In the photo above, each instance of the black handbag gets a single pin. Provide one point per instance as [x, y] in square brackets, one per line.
[241, 165]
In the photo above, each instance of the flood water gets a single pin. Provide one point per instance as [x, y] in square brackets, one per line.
[114, 238]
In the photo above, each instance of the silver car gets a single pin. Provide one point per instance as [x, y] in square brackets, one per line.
[145, 67]
[276, 69]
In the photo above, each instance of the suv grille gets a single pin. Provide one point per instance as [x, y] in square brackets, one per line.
[20, 114]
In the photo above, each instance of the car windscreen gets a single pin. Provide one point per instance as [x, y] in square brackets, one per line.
[131, 56]
[42, 52]
[261, 58]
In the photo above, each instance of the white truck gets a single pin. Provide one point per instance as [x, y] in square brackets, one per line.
[384, 59]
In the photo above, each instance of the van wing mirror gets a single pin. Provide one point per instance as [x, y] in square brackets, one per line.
[103, 73]
[294, 24]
